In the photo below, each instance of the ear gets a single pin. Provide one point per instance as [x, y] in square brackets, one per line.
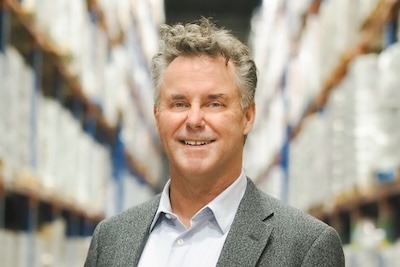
[249, 117]
[155, 111]
[156, 115]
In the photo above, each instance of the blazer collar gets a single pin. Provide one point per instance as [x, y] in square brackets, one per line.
[130, 246]
[249, 232]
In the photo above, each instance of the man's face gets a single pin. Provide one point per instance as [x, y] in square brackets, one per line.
[200, 120]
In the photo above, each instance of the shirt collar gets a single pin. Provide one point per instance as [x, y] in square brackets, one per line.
[164, 206]
[224, 206]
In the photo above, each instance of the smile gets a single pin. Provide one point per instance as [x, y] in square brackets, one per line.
[196, 143]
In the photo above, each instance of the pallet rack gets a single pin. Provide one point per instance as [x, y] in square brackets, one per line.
[383, 203]
[25, 204]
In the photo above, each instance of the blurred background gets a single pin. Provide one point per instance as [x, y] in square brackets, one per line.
[77, 135]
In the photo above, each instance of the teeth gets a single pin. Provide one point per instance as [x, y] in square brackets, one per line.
[196, 143]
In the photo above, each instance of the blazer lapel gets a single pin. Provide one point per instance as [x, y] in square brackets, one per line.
[249, 232]
[134, 235]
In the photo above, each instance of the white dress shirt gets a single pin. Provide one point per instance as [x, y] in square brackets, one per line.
[171, 244]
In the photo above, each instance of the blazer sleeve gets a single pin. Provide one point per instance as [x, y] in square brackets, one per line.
[326, 251]
[91, 259]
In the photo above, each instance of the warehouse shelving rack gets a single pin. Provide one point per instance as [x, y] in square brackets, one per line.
[26, 206]
[383, 203]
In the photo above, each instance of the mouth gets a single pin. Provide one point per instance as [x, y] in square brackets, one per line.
[196, 142]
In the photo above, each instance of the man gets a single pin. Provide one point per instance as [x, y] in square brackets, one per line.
[210, 213]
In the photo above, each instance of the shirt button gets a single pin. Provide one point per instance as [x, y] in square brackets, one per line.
[180, 242]
[168, 216]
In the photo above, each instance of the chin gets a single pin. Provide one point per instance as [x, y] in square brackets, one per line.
[194, 171]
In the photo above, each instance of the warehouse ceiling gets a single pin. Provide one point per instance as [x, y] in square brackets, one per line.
[234, 15]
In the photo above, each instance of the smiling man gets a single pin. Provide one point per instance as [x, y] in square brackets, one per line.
[202, 126]
[209, 213]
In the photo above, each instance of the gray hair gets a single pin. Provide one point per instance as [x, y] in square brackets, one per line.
[202, 37]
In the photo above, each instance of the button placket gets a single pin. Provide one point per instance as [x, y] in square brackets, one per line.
[180, 242]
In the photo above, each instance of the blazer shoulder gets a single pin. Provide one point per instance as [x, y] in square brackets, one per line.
[291, 216]
[284, 217]
[120, 238]
[136, 213]
[315, 242]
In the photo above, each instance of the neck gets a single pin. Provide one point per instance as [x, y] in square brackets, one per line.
[188, 195]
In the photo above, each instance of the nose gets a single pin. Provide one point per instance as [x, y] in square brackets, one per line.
[195, 118]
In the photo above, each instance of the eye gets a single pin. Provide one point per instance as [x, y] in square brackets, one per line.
[215, 104]
[179, 105]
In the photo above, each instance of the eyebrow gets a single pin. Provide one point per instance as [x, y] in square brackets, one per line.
[211, 96]
[216, 96]
[177, 97]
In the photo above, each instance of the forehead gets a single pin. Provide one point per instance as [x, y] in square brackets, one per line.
[199, 73]
[200, 63]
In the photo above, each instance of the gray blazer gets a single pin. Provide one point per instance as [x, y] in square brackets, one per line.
[265, 232]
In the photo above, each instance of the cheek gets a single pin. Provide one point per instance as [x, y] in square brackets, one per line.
[228, 126]
[235, 122]
[162, 127]
[167, 124]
